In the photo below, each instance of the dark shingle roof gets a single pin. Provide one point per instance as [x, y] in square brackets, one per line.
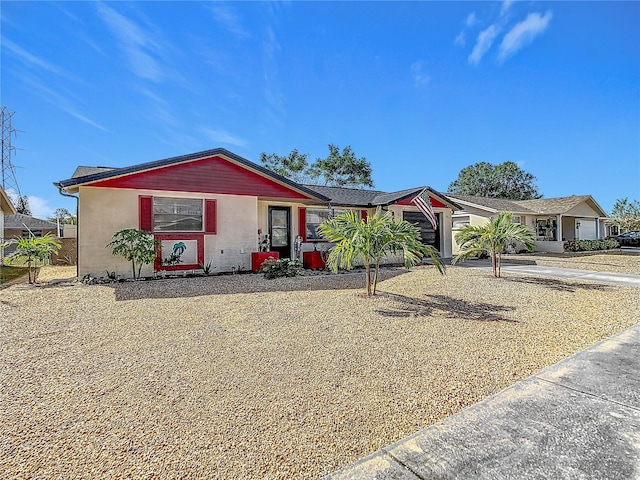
[341, 196]
[497, 204]
[15, 222]
[355, 197]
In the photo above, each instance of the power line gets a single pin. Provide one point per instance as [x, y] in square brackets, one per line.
[8, 169]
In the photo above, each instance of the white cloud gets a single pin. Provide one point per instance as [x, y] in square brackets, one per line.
[419, 76]
[139, 47]
[40, 207]
[471, 20]
[460, 39]
[222, 136]
[505, 6]
[483, 43]
[228, 19]
[523, 33]
[33, 61]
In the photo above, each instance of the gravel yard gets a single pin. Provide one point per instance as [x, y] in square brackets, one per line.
[242, 377]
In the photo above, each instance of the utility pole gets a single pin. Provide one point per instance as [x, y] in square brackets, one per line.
[8, 169]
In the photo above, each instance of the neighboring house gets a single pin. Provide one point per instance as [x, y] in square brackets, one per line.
[554, 220]
[24, 226]
[215, 206]
[6, 208]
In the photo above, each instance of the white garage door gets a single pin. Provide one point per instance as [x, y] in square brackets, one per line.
[586, 229]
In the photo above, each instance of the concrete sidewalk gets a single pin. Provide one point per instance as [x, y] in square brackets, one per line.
[579, 419]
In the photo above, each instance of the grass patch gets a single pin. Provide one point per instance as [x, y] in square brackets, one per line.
[8, 273]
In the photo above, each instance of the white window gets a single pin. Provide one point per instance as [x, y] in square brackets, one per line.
[316, 216]
[177, 214]
[516, 219]
[463, 221]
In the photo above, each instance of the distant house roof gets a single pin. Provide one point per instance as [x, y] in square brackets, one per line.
[493, 204]
[560, 205]
[87, 171]
[5, 203]
[546, 206]
[18, 221]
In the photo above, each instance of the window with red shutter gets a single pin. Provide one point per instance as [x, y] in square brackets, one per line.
[145, 213]
[210, 211]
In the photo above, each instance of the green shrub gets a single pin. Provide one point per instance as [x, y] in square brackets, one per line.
[589, 245]
[283, 267]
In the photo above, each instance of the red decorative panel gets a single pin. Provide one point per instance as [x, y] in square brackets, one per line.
[199, 237]
[302, 223]
[145, 213]
[434, 203]
[208, 175]
[210, 218]
[364, 215]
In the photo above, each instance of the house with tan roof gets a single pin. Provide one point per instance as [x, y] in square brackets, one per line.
[554, 220]
[215, 206]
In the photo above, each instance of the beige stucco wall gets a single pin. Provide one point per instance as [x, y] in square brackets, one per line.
[583, 210]
[2, 239]
[104, 211]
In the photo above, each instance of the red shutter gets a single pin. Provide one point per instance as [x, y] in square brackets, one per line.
[363, 215]
[145, 213]
[210, 218]
[302, 223]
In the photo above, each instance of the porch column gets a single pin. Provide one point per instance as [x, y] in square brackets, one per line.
[559, 228]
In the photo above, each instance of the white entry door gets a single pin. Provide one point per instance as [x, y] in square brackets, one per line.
[586, 229]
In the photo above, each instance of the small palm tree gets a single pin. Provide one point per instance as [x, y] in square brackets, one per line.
[136, 246]
[492, 238]
[370, 240]
[33, 250]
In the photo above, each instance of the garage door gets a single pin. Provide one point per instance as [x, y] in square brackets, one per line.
[586, 229]
[427, 233]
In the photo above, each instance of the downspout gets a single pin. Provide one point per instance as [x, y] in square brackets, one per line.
[65, 194]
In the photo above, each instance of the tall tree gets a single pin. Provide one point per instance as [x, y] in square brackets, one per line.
[22, 205]
[64, 216]
[368, 241]
[342, 169]
[505, 180]
[294, 166]
[492, 238]
[626, 215]
[338, 169]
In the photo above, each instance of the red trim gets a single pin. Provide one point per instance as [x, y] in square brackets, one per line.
[302, 223]
[210, 220]
[434, 202]
[145, 213]
[214, 174]
[199, 237]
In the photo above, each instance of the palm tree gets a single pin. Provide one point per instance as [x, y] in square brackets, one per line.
[34, 250]
[492, 238]
[370, 240]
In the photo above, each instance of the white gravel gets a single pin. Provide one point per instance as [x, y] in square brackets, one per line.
[242, 377]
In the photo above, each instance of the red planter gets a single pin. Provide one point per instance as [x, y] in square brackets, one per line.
[312, 260]
[258, 257]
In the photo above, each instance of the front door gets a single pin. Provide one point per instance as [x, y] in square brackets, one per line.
[280, 231]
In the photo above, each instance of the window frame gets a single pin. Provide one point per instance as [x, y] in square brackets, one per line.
[332, 212]
[155, 215]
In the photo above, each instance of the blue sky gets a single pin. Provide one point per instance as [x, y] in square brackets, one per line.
[421, 89]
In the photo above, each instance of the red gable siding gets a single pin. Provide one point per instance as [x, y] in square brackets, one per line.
[434, 203]
[209, 175]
